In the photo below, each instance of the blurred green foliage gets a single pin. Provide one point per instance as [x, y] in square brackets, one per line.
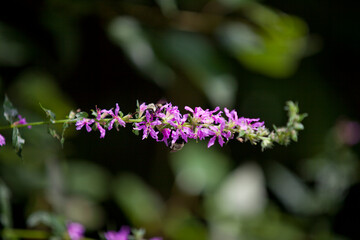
[244, 54]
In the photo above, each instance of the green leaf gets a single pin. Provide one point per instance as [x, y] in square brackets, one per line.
[17, 141]
[49, 219]
[53, 133]
[81, 115]
[5, 207]
[49, 114]
[10, 112]
[62, 140]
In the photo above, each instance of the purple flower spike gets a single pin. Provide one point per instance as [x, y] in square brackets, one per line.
[2, 140]
[75, 230]
[122, 234]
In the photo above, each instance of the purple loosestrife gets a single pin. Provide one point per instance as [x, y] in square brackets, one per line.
[122, 234]
[116, 118]
[148, 125]
[175, 128]
[165, 123]
[21, 121]
[2, 140]
[84, 122]
[75, 230]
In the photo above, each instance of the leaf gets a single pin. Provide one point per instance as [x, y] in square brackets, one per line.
[49, 219]
[17, 141]
[5, 208]
[49, 114]
[53, 133]
[62, 140]
[81, 115]
[10, 112]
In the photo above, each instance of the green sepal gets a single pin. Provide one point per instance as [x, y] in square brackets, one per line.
[241, 133]
[138, 233]
[17, 141]
[49, 114]
[136, 132]
[294, 135]
[10, 112]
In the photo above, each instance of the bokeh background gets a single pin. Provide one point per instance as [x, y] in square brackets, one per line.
[249, 55]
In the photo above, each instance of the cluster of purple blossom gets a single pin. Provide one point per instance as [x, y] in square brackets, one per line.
[76, 232]
[20, 121]
[100, 124]
[173, 127]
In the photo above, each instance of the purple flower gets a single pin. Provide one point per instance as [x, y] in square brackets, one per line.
[21, 121]
[166, 135]
[116, 118]
[171, 113]
[102, 113]
[101, 129]
[201, 133]
[218, 133]
[348, 131]
[148, 126]
[204, 116]
[181, 130]
[142, 109]
[245, 123]
[2, 140]
[85, 121]
[233, 118]
[75, 230]
[122, 234]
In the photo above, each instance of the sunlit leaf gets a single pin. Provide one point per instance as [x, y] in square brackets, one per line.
[275, 50]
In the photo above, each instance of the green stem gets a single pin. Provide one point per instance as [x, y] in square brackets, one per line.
[10, 233]
[24, 233]
[61, 121]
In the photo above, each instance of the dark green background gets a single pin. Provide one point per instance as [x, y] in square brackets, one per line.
[81, 54]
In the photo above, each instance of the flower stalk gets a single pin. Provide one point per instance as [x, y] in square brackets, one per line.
[165, 123]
